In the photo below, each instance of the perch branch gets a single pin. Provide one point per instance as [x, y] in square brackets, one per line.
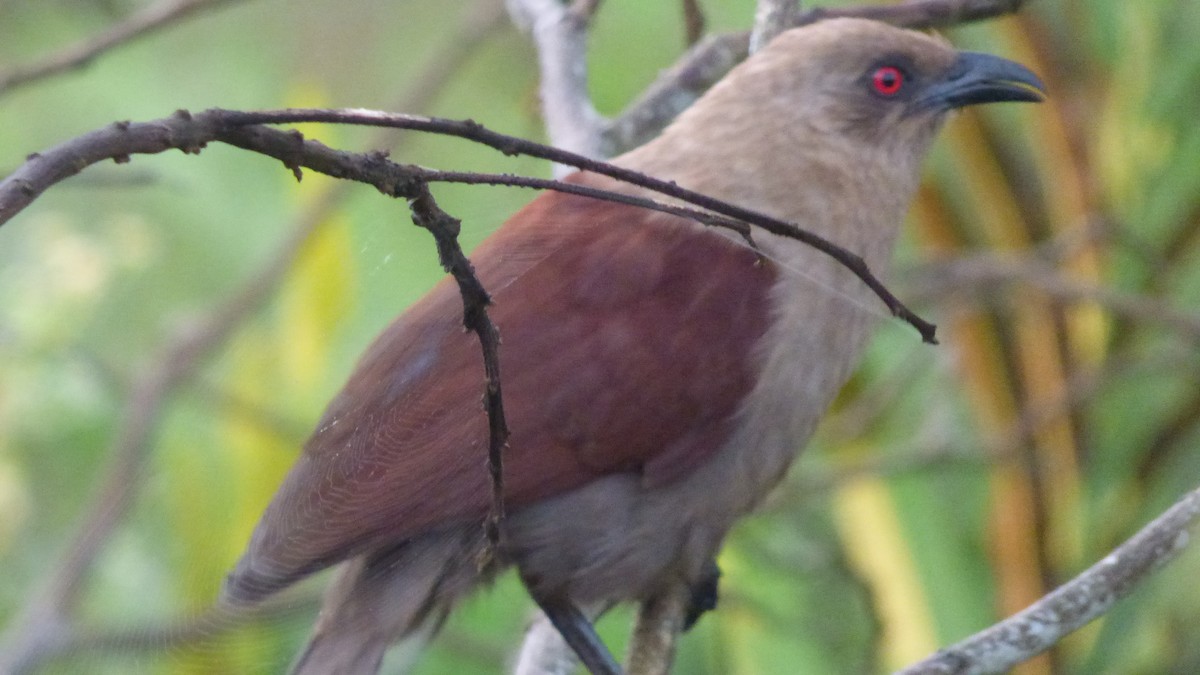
[1077, 602]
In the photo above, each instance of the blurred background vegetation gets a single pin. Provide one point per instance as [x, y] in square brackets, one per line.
[1057, 246]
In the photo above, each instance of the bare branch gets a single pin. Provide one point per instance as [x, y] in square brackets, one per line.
[560, 36]
[660, 621]
[190, 133]
[770, 19]
[693, 22]
[676, 89]
[445, 228]
[1074, 604]
[140, 23]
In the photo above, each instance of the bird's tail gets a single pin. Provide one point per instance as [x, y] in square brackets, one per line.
[401, 594]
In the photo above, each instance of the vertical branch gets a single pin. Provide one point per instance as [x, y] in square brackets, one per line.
[445, 228]
[693, 22]
[559, 33]
[770, 19]
[660, 621]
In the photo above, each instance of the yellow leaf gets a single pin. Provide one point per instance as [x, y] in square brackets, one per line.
[877, 548]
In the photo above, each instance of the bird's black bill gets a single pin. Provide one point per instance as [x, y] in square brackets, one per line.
[982, 78]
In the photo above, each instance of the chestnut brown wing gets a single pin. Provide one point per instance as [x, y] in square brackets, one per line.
[628, 344]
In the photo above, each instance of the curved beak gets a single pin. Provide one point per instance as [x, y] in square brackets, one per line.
[982, 78]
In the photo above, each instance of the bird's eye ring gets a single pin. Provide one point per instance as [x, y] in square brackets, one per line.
[887, 80]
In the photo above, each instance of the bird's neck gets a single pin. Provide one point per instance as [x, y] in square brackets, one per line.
[830, 187]
[822, 314]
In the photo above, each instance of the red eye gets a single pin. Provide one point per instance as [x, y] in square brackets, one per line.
[888, 80]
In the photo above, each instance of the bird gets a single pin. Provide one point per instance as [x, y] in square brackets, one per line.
[659, 375]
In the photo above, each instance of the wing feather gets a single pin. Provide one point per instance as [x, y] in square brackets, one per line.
[628, 344]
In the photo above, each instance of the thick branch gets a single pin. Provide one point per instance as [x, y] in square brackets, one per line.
[1074, 604]
[770, 19]
[559, 33]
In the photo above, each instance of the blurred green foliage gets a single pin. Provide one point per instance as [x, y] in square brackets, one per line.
[919, 516]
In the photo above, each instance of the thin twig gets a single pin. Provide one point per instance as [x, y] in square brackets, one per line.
[660, 620]
[190, 133]
[508, 180]
[473, 131]
[1074, 604]
[142, 22]
[445, 228]
[694, 22]
[674, 90]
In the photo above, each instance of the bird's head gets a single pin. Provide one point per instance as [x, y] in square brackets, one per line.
[839, 107]
[886, 86]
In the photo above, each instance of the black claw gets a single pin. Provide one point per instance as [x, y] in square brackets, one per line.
[581, 636]
[704, 595]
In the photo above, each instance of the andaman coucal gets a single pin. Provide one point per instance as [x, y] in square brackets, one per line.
[659, 375]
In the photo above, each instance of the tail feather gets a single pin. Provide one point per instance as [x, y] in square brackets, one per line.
[399, 594]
